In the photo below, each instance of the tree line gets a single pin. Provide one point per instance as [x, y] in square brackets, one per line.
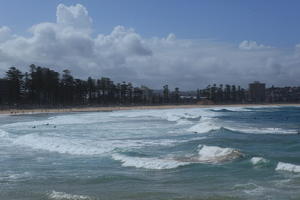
[42, 86]
[224, 93]
[45, 87]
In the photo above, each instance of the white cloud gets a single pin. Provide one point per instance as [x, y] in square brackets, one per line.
[5, 33]
[252, 45]
[125, 55]
[76, 17]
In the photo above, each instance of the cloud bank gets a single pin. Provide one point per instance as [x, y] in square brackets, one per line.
[124, 55]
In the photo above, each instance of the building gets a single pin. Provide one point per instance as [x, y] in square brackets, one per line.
[257, 92]
[283, 95]
[4, 91]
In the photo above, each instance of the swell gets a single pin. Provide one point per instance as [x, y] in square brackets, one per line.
[207, 125]
[254, 130]
[279, 166]
[148, 163]
[86, 146]
[205, 155]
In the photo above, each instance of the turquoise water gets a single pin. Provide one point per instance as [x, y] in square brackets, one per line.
[201, 153]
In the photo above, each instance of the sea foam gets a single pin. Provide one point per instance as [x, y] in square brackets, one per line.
[86, 146]
[172, 115]
[281, 166]
[205, 125]
[65, 196]
[69, 119]
[148, 163]
[61, 145]
[215, 154]
[258, 160]
[255, 130]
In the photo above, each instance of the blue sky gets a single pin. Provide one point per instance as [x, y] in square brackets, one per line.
[183, 43]
[272, 22]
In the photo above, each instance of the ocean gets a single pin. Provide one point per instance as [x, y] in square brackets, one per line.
[167, 154]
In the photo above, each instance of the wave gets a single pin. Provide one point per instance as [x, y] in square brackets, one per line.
[281, 166]
[258, 160]
[181, 116]
[13, 176]
[261, 130]
[206, 154]
[230, 109]
[222, 110]
[62, 120]
[206, 125]
[82, 146]
[65, 196]
[61, 145]
[250, 188]
[215, 154]
[3, 133]
[172, 115]
[148, 163]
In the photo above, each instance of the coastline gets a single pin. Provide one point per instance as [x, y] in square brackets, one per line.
[116, 108]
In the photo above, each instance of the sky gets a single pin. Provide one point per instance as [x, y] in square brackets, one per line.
[186, 44]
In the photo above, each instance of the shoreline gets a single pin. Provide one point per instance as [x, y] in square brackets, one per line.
[116, 108]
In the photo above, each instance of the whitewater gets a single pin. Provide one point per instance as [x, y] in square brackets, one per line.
[248, 152]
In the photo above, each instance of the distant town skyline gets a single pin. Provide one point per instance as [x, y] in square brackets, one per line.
[189, 45]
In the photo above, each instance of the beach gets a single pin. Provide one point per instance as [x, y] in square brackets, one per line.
[116, 108]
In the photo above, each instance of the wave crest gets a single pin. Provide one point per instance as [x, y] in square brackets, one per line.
[85, 147]
[215, 154]
[206, 125]
[258, 160]
[281, 166]
[148, 163]
[254, 130]
[61, 145]
[65, 196]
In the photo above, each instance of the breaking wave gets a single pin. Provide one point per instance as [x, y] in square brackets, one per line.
[65, 196]
[85, 146]
[212, 155]
[281, 166]
[148, 163]
[206, 154]
[215, 154]
[230, 109]
[172, 115]
[258, 160]
[261, 130]
[63, 120]
[206, 125]
[61, 145]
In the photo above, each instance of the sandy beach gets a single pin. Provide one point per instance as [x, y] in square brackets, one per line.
[115, 108]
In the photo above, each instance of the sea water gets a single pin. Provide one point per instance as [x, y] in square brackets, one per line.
[197, 153]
